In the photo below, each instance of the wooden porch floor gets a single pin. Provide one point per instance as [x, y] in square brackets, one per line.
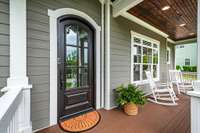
[152, 118]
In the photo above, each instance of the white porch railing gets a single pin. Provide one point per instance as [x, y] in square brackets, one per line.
[9, 110]
[15, 112]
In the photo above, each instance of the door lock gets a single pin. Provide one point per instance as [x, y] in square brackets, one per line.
[59, 60]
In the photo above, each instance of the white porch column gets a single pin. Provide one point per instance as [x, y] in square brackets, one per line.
[18, 65]
[17, 43]
[195, 95]
[198, 40]
[107, 54]
[195, 111]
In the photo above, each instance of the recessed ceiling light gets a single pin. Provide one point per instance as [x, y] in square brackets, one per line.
[165, 8]
[181, 25]
[192, 33]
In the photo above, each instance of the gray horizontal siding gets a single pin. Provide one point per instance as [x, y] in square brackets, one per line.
[4, 39]
[4, 42]
[38, 50]
[121, 53]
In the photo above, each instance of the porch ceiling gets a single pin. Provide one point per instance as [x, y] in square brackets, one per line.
[169, 21]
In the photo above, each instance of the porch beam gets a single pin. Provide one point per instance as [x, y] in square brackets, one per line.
[121, 6]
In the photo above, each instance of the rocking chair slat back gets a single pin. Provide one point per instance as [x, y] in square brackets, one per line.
[150, 79]
[175, 76]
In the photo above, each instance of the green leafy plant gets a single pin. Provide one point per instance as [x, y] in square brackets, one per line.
[178, 67]
[130, 94]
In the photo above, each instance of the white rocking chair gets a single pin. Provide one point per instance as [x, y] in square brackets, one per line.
[162, 94]
[176, 78]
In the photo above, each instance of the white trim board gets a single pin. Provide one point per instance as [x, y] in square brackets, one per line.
[54, 14]
[120, 6]
[185, 41]
[171, 41]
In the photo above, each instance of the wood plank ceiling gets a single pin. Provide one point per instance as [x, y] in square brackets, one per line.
[169, 21]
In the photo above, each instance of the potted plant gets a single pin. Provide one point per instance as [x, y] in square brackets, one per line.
[129, 97]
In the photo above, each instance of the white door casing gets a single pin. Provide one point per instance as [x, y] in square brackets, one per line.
[54, 14]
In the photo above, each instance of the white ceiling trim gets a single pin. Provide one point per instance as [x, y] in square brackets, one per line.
[120, 6]
[144, 24]
[186, 40]
[171, 41]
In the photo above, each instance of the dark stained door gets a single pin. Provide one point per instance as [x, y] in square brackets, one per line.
[75, 67]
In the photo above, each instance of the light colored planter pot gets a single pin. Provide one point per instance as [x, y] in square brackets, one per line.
[131, 109]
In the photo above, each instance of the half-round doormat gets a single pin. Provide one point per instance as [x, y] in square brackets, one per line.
[81, 123]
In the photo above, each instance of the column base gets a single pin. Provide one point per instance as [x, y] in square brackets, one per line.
[27, 129]
[18, 81]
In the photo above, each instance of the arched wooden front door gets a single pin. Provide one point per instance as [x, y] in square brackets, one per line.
[75, 67]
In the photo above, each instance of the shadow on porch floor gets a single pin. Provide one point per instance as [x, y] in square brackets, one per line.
[152, 118]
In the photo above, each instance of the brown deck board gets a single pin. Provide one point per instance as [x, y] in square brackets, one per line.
[152, 118]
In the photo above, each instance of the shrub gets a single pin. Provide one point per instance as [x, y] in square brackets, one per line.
[193, 69]
[186, 68]
[189, 68]
[178, 67]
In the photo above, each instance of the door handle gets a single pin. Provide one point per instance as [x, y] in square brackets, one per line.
[62, 84]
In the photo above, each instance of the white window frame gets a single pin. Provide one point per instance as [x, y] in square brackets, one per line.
[134, 34]
[169, 50]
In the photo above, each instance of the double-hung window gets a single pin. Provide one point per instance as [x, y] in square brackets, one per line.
[144, 57]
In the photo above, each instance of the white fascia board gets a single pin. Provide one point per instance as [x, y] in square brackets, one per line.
[171, 41]
[186, 40]
[120, 6]
[144, 24]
